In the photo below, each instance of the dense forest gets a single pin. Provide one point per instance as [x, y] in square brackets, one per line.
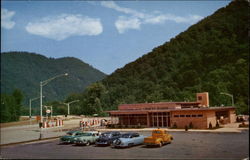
[24, 71]
[11, 106]
[210, 56]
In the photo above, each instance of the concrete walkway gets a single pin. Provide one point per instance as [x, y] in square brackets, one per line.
[32, 132]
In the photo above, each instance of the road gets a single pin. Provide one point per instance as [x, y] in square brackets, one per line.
[186, 145]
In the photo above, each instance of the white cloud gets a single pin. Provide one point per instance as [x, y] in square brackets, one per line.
[64, 26]
[169, 17]
[125, 23]
[113, 5]
[6, 19]
[137, 18]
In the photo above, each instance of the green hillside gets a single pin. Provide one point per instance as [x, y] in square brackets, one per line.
[24, 71]
[211, 56]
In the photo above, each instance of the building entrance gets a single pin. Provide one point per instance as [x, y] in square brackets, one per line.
[159, 119]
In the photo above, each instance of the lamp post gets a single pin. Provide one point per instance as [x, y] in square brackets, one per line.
[69, 104]
[43, 83]
[230, 95]
[30, 105]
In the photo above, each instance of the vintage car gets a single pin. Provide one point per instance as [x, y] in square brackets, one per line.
[87, 138]
[159, 137]
[70, 137]
[107, 138]
[128, 140]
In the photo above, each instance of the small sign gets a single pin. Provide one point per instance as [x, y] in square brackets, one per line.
[47, 111]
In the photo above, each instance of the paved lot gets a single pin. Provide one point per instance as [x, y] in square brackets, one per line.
[186, 145]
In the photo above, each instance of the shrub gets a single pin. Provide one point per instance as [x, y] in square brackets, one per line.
[175, 125]
[217, 124]
[191, 125]
[210, 125]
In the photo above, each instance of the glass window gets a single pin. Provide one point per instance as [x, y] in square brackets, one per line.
[187, 115]
[200, 115]
[182, 115]
[176, 115]
[193, 115]
[157, 132]
[136, 135]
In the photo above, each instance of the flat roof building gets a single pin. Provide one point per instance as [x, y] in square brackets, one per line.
[174, 114]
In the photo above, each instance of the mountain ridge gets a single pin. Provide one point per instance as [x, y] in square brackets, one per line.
[211, 55]
[18, 67]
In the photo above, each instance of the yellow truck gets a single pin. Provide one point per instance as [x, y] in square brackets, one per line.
[159, 137]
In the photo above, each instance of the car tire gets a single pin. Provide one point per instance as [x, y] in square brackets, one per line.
[160, 145]
[88, 143]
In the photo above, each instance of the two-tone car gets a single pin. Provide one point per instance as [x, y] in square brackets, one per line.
[107, 138]
[87, 138]
[128, 140]
[70, 137]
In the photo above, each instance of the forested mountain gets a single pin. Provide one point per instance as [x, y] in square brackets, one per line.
[210, 56]
[24, 71]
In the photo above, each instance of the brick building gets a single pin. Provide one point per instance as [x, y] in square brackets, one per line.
[179, 114]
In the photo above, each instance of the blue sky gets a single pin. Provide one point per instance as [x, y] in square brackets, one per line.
[105, 34]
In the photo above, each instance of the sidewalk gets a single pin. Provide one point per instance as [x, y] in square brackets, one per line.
[16, 134]
[219, 130]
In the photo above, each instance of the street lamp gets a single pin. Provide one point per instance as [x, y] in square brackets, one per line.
[230, 95]
[69, 104]
[43, 83]
[31, 101]
[30, 105]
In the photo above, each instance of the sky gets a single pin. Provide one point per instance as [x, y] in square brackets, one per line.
[105, 34]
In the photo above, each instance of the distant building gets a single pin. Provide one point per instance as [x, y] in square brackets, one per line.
[170, 114]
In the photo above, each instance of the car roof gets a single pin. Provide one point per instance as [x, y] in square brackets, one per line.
[91, 132]
[73, 131]
[131, 133]
[111, 132]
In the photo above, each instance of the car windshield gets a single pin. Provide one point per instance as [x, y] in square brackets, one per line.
[105, 134]
[126, 136]
[86, 134]
[69, 133]
[158, 132]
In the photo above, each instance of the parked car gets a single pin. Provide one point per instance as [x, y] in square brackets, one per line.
[159, 137]
[87, 138]
[128, 140]
[107, 138]
[70, 137]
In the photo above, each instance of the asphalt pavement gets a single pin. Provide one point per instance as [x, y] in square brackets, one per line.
[16, 134]
[186, 145]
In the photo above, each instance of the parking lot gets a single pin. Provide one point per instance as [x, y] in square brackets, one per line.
[186, 145]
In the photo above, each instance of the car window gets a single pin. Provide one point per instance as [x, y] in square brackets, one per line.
[126, 136]
[70, 134]
[86, 134]
[136, 135]
[158, 132]
[105, 135]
